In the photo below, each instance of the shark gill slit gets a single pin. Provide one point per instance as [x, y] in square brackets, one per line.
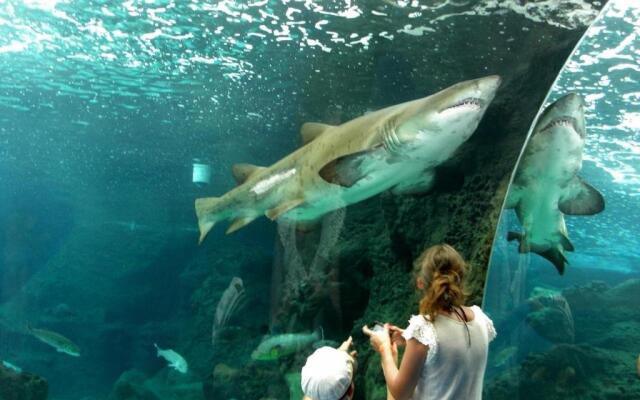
[390, 138]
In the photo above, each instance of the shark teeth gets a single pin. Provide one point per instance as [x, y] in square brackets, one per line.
[468, 102]
[561, 122]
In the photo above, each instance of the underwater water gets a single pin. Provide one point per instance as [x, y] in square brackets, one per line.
[569, 336]
[105, 107]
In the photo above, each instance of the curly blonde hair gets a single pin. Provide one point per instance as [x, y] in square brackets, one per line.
[442, 269]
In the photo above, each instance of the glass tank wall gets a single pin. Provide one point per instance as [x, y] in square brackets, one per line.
[116, 116]
[564, 278]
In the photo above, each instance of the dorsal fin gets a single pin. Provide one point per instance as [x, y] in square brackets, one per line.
[242, 172]
[312, 130]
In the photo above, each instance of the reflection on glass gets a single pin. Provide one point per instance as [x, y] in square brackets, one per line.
[568, 332]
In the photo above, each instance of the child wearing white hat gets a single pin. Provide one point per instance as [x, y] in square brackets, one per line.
[328, 373]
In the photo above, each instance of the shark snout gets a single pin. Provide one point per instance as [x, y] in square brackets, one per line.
[568, 111]
[471, 96]
[488, 86]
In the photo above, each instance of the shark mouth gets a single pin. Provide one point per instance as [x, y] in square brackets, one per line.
[472, 102]
[566, 122]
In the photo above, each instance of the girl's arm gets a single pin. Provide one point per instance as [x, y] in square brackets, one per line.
[400, 383]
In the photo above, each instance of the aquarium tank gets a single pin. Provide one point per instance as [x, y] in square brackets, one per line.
[564, 278]
[195, 195]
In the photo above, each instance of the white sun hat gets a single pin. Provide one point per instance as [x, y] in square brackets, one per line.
[327, 374]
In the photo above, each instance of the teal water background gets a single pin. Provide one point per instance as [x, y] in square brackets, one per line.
[605, 267]
[104, 106]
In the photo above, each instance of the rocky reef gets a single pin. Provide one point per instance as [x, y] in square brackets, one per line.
[164, 385]
[599, 365]
[16, 385]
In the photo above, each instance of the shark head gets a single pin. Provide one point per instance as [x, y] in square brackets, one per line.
[565, 115]
[449, 116]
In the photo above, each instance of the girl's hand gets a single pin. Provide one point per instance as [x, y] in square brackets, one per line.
[396, 336]
[380, 340]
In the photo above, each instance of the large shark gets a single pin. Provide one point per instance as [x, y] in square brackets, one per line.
[546, 185]
[397, 148]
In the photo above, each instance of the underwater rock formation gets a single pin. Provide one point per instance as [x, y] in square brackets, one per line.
[130, 386]
[32, 229]
[551, 318]
[165, 385]
[21, 385]
[598, 365]
[556, 374]
[250, 382]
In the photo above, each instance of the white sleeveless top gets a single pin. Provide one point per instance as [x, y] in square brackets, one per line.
[453, 369]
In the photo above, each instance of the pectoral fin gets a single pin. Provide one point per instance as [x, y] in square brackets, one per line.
[276, 212]
[580, 198]
[346, 170]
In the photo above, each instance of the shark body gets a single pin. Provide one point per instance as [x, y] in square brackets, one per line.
[546, 185]
[395, 148]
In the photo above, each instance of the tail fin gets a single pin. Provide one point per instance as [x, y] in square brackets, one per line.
[204, 208]
[157, 348]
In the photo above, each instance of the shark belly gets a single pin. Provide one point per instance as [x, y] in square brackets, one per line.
[541, 220]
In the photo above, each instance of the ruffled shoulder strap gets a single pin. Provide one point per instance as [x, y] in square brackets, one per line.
[421, 329]
[484, 319]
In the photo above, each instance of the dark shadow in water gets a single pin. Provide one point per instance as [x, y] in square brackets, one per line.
[34, 221]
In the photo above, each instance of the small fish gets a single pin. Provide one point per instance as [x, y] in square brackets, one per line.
[638, 366]
[175, 360]
[7, 364]
[55, 340]
[505, 355]
[275, 347]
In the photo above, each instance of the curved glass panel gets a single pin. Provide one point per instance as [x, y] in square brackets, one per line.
[116, 115]
[564, 279]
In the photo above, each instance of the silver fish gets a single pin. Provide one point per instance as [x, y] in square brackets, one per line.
[175, 360]
[55, 340]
